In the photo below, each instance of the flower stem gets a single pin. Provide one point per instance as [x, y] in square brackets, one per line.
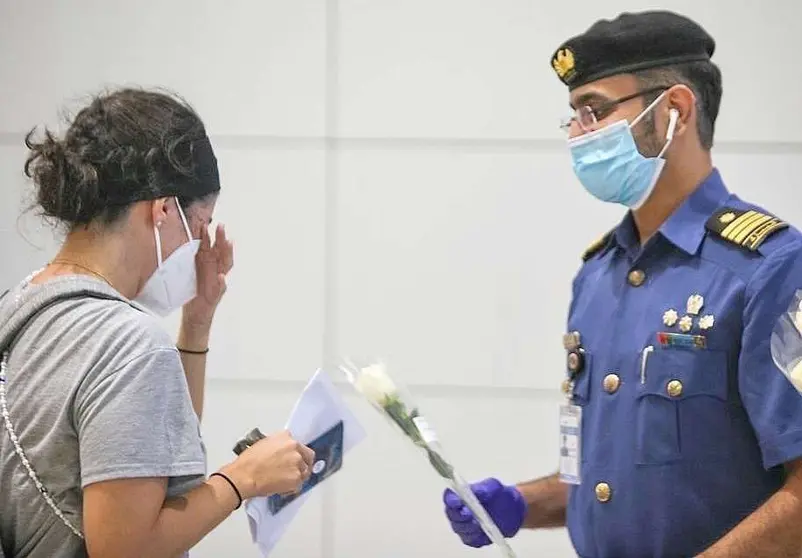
[397, 411]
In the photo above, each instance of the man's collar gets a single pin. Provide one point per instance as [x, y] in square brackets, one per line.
[685, 228]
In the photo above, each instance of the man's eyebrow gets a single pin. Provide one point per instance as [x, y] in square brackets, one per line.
[590, 98]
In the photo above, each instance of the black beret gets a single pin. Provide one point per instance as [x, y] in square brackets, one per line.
[628, 43]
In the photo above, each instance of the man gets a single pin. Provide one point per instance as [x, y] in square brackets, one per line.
[680, 436]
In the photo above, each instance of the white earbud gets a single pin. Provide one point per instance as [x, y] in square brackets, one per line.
[673, 118]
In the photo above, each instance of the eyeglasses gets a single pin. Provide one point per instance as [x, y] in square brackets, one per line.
[587, 116]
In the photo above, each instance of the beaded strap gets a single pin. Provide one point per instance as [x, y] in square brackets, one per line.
[18, 449]
[15, 439]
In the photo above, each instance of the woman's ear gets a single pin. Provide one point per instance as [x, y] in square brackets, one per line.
[159, 211]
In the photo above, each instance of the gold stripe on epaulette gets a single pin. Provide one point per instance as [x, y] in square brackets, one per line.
[735, 225]
[731, 231]
[768, 225]
[597, 245]
[743, 226]
[748, 229]
[754, 240]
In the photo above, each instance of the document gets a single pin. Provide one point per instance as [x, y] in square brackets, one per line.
[321, 420]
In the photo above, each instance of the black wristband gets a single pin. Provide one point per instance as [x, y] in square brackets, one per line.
[233, 486]
[187, 351]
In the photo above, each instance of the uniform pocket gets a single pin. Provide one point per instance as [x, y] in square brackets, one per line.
[677, 391]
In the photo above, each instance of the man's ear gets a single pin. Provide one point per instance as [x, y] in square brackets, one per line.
[682, 99]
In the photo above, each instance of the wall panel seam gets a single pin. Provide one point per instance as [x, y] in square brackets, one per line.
[334, 143]
[330, 190]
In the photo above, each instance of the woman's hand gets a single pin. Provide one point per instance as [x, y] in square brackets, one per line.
[213, 262]
[277, 464]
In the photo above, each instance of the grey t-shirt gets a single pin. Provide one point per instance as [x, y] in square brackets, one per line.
[95, 391]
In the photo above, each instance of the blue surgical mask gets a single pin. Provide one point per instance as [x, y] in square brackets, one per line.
[610, 167]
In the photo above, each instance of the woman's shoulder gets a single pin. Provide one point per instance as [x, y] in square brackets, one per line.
[87, 310]
[124, 320]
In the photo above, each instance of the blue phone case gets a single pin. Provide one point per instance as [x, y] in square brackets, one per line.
[328, 450]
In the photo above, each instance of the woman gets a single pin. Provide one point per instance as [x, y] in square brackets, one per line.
[100, 447]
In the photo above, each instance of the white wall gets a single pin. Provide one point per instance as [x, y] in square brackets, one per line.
[397, 185]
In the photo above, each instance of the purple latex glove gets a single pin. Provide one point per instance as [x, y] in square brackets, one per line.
[504, 504]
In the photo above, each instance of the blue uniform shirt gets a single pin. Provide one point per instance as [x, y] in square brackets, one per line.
[680, 443]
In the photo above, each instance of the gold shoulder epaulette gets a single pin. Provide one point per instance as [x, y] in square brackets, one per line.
[747, 228]
[600, 243]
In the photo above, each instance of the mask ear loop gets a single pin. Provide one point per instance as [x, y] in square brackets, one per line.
[158, 244]
[647, 109]
[183, 220]
[673, 118]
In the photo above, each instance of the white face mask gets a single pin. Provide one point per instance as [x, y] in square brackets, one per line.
[175, 282]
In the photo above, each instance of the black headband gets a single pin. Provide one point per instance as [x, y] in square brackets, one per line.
[205, 179]
[207, 176]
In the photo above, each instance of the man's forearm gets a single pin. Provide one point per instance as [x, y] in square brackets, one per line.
[772, 530]
[547, 499]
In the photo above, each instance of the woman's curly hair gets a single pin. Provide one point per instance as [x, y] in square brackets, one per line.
[126, 145]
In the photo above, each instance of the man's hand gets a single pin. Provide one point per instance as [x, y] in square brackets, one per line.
[504, 504]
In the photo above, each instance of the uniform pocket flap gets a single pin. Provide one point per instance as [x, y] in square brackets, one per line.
[679, 373]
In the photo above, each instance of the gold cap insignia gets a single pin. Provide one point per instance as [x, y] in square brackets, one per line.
[563, 64]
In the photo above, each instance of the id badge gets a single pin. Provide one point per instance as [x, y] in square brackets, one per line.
[570, 443]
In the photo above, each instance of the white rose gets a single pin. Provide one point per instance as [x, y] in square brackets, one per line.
[796, 318]
[374, 383]
[796, 376]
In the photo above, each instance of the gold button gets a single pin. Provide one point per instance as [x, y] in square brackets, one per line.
[575, 361]
[674, 388]
[603, 492]
[571, 341]
[611, 383]
[636, 277]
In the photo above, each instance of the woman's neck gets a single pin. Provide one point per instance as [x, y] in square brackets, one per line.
[99, 255]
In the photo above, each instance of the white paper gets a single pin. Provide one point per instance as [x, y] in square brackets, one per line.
[318, 409]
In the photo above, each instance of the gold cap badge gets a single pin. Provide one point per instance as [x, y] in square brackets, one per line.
[563, 64]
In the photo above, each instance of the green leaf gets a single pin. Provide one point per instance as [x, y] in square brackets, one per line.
[446, 471]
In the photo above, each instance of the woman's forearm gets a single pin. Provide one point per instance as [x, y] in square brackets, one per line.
[185, 520]
[129, 518]
[195, 339]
